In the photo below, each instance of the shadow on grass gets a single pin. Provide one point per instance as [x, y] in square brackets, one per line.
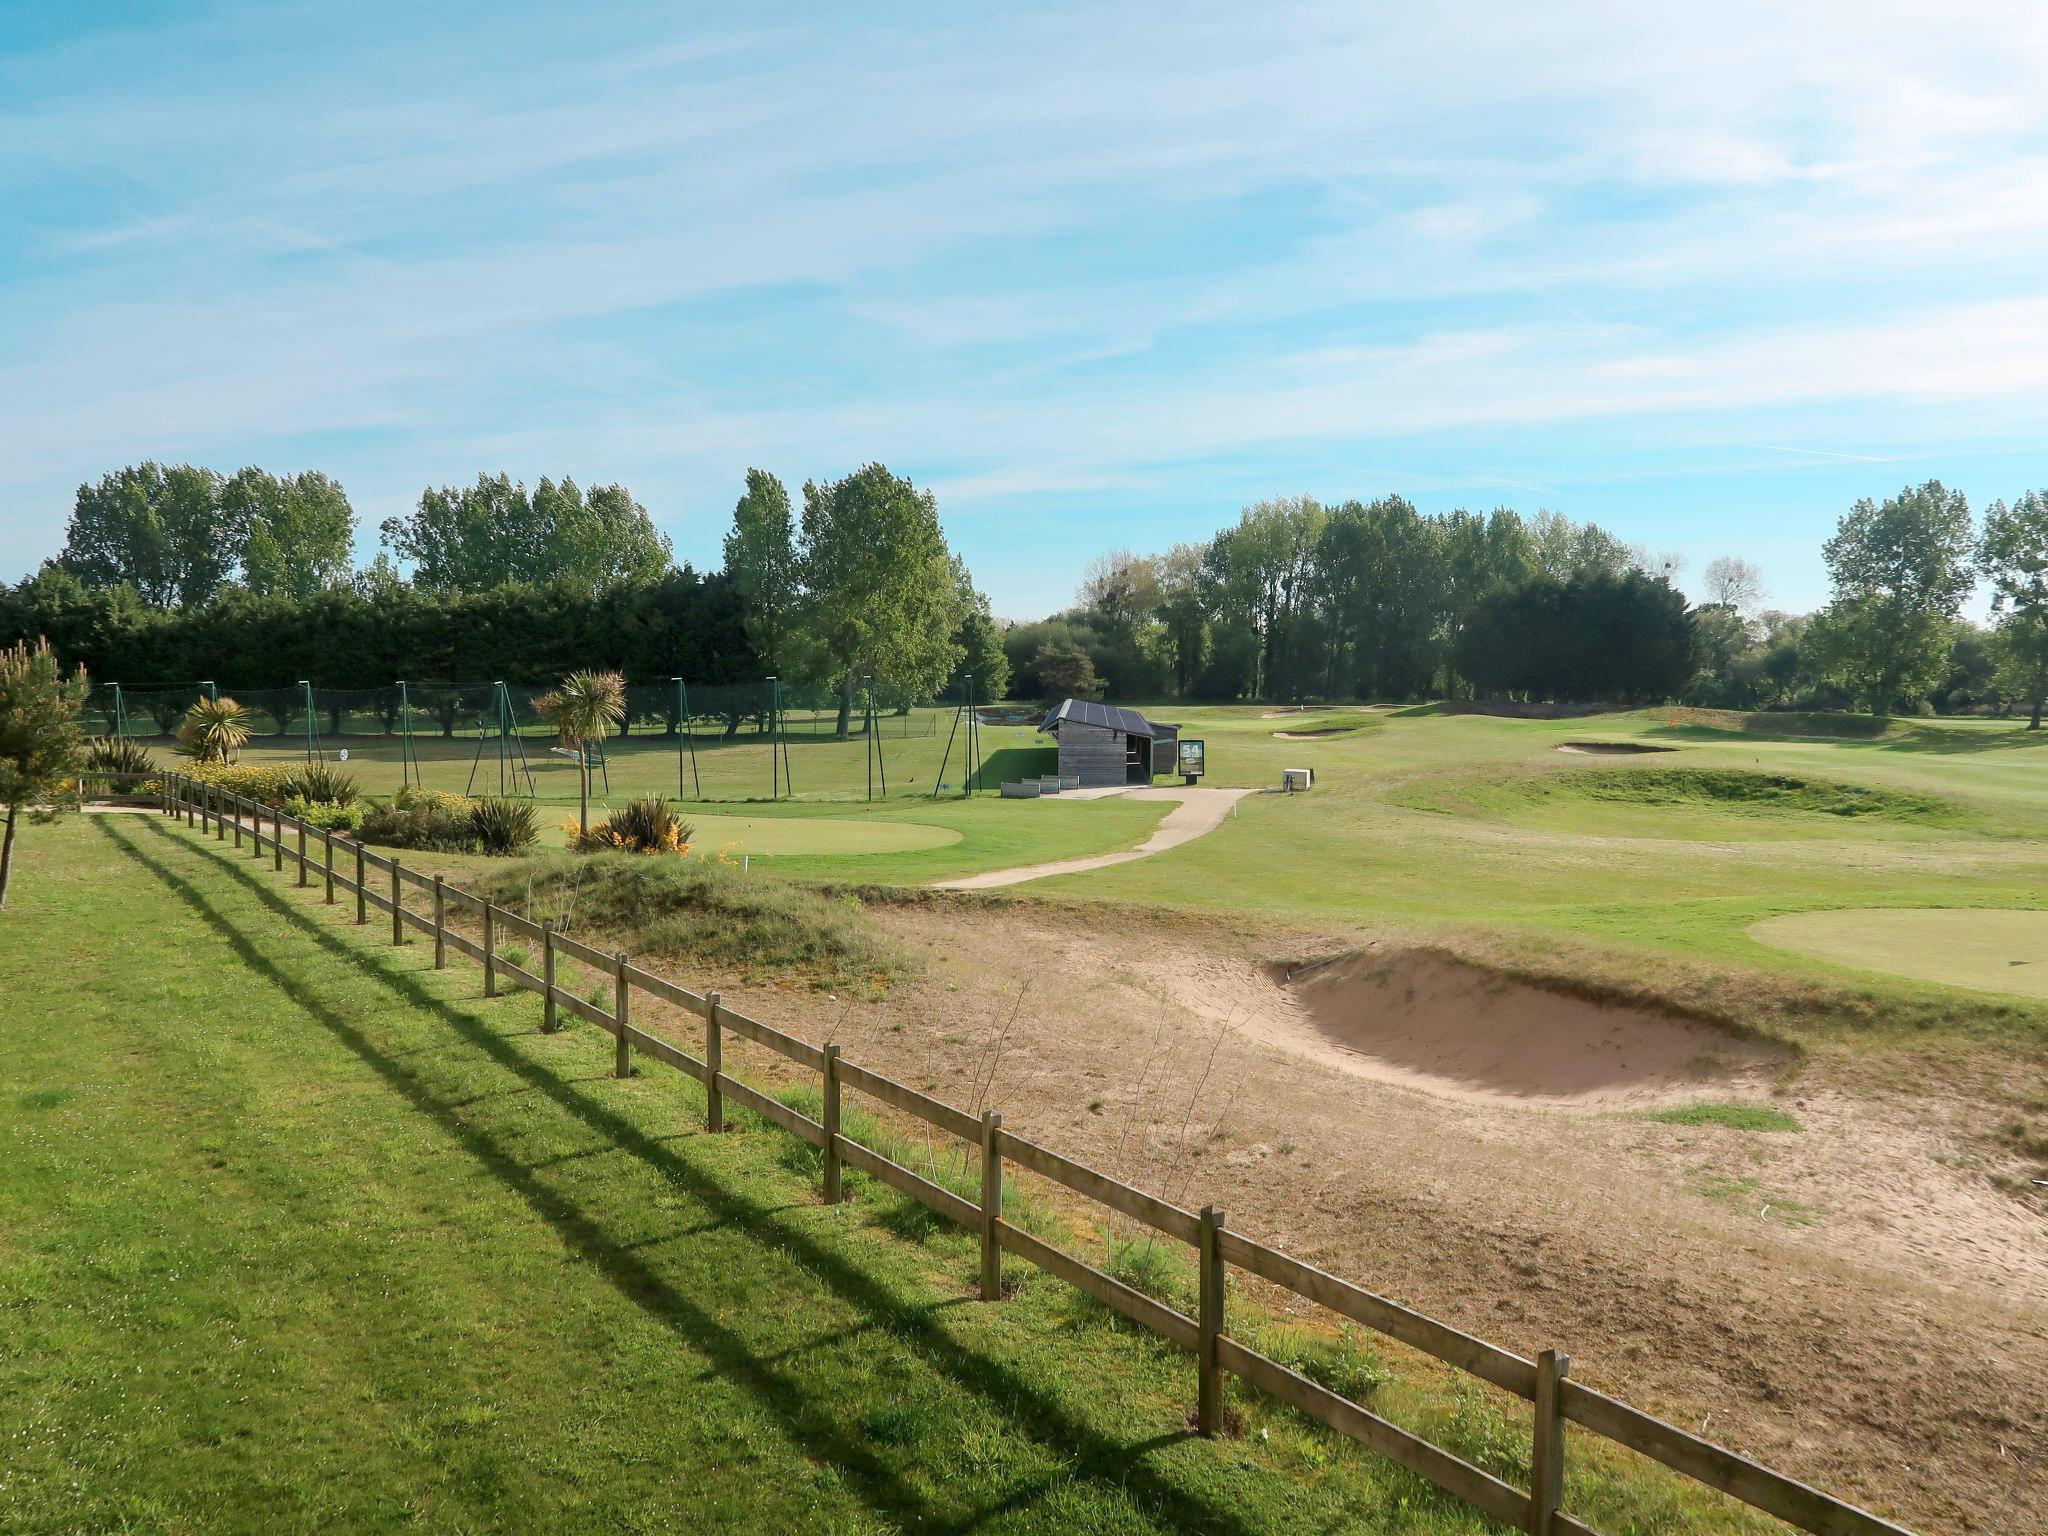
[1082, 1451]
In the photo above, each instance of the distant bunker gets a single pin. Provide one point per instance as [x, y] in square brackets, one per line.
[1104, 746]
[1612, 748]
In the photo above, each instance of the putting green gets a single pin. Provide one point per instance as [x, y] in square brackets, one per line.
[765, 836]
[1984, 949]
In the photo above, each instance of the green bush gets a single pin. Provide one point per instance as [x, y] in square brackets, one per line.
[325, 814]
[417, 797]
[266, 783]
[429, 828]
[320, 784]
[703, 909]
[504, 826]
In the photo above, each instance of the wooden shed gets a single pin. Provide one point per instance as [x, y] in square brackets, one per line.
[1102, 745]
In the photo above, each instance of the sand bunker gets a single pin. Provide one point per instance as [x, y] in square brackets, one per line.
[1983, 949]
[1612, 748]
[1459, 1028]
[1424, 1020]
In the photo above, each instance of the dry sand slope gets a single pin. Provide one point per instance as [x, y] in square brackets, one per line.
[1846, 1302]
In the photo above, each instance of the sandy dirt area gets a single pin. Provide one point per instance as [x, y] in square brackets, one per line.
[1611, 748]
[1854, 1303]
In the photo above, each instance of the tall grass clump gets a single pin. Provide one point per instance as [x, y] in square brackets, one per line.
[504, 826]
[703, 910]
[116, 754]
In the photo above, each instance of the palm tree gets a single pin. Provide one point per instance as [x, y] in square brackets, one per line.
[214, 730]
[583, 708]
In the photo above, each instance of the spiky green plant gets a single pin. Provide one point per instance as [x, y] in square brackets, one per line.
[583, 708]
[642, 826]
[505, 826]
[117, 754]
[214, 730]
[323, 785]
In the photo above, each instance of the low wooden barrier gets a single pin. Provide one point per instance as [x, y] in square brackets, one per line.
[1543, 1382]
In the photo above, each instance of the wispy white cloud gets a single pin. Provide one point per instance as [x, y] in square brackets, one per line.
[1063, 253]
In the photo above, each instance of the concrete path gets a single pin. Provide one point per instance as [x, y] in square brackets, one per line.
[1199, 811]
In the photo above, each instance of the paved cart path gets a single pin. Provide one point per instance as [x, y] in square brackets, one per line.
[1199, 811]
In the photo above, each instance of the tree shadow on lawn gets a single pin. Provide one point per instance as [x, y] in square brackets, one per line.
[1081, 1450]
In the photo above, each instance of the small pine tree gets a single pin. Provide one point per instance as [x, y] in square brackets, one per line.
[42, 744]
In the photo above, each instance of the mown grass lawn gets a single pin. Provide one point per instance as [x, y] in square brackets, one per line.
[297, 1234]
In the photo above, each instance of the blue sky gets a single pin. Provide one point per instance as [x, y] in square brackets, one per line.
[1098, 274]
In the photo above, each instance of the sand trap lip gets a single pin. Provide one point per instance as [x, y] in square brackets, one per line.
[1982, 949]
[1439, 1024]
[1612, 748]
[1424, 1020]
[1329, 735]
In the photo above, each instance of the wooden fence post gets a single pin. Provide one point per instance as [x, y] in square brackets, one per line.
[1546, 1460]
[302, 852]
[440, 924]
[622, 1060]
[276, 838]
[327, 860]
[1209, 1389]
[362, 896]
[991, 1206]
[714, 1061]
[397, 905]
[490, 950]
[832, 1191]
[547, 975]
[238, 824]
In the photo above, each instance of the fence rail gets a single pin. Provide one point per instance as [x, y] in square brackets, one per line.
[1544, 1382]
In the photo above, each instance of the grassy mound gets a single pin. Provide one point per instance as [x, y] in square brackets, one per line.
[1340, 723]
[703, 910]
[1717, 791]
[1789, 723]
[1738, 789]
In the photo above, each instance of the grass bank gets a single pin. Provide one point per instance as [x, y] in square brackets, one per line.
[297, 1233]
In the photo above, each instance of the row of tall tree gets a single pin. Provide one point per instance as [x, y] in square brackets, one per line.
[1366, 599]
[374, 631]
[175, 574]
[181, 535]
[1377, 600]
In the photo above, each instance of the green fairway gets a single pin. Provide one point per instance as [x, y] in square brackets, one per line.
[298, 1234]
[1438, 821]
[1985, 950]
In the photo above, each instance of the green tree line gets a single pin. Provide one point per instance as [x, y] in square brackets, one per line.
[1378, 600]
[173, 574]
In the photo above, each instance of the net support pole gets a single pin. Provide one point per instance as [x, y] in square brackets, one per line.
[313, 752]
[689, 743]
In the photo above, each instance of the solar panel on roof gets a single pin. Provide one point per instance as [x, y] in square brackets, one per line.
[1088, 712]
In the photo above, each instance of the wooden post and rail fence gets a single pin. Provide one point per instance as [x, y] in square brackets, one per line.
[1545, 1382]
